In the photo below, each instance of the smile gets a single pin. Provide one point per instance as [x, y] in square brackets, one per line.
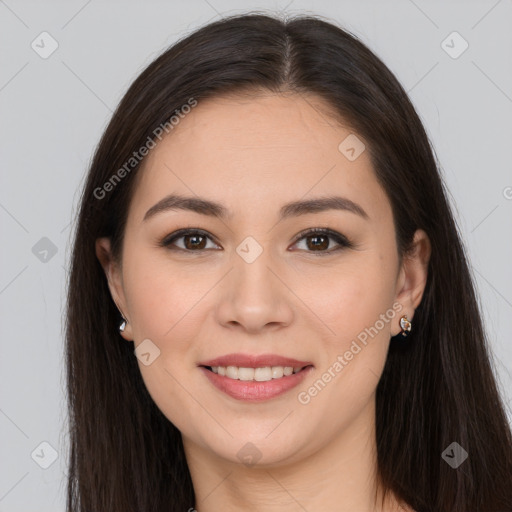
[263, 374]
[255, 384]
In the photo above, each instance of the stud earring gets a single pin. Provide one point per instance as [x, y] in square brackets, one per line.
[405, 326]
[122, 326]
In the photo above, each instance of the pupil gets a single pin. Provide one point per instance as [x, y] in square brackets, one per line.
[193, 244]
[319, 245]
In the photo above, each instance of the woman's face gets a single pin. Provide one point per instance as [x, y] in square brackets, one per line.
[246, 284]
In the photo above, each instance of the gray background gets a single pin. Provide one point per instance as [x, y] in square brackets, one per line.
[54, 110]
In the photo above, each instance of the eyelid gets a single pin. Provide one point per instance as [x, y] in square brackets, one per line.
[180, 233]
[343, 240]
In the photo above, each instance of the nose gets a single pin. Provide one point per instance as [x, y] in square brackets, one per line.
[254, 297]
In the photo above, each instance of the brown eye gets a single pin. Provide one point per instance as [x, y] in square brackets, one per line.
[319, 241]
[193, 240]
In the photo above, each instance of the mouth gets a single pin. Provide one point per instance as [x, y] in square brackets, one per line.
[256, 374]
[256, 384]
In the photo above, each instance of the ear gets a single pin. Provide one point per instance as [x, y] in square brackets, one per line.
[412, 277]
[115, 282]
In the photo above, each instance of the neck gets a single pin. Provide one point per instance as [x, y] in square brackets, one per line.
[341, 475]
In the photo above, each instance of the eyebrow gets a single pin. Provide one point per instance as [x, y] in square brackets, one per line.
[295, 208]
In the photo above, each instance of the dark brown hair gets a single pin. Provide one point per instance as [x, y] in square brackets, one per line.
[125, 455]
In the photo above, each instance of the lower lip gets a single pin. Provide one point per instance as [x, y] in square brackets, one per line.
[255, 391]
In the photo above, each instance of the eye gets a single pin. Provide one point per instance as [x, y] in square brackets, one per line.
[194, 240]
[317, 240]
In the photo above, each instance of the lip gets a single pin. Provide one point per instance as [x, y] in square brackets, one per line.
[253, 391]
[254, 361]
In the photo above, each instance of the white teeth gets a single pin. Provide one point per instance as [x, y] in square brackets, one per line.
[263, 374]
[246, 373]
[255, 374]
[277, 372]
[232, 372]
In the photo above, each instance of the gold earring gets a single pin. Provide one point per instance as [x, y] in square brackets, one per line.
[405, 326]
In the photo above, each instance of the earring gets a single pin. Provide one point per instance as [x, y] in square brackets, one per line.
[122, 326]
[405, 325]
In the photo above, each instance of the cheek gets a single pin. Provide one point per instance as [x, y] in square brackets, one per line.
[162, 302]
[162, 296]
[359, 311]
[352, 297]
[358, 308]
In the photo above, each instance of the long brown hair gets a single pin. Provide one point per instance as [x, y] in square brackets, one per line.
[439, 388]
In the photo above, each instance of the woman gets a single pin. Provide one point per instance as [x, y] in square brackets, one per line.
[269, 304]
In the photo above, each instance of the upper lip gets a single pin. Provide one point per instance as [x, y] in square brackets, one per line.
[254, 361]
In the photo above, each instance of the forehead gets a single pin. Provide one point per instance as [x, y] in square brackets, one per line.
[248, 150]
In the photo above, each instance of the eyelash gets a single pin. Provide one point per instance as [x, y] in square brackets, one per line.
[337, 237]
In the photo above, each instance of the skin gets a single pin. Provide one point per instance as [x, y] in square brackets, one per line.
[252, 155]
